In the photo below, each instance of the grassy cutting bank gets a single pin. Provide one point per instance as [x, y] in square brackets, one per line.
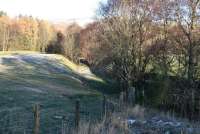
[29, 78]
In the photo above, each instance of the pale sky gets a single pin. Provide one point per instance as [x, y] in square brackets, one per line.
[54, 10]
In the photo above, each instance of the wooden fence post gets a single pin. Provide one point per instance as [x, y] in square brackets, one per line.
[121, 100]
[36, 110]
[89, 128]
[104, 106]
[77, 114]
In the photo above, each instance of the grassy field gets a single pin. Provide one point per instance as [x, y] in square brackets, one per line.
[28, 78]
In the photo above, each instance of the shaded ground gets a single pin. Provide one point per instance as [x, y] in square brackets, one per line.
[49, 80]
[140, 120]
[146, 121]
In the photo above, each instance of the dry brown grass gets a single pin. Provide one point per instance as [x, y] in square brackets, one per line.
[116, 123]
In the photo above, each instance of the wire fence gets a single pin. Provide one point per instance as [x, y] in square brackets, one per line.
[37, 119]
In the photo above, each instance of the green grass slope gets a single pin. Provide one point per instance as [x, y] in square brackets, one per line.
[49, 80]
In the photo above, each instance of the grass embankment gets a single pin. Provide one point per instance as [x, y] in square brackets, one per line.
[27, 78]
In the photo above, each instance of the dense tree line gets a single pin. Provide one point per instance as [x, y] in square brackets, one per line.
[132, 34]
[139, 39]
[24, 33]
[28, 33]
[67, 42]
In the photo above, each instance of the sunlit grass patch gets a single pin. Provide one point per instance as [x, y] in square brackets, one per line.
[79, 69]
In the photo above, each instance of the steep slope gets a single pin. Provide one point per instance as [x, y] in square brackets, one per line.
[49, 80]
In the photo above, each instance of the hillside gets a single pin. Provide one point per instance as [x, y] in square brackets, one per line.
[49, 80]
